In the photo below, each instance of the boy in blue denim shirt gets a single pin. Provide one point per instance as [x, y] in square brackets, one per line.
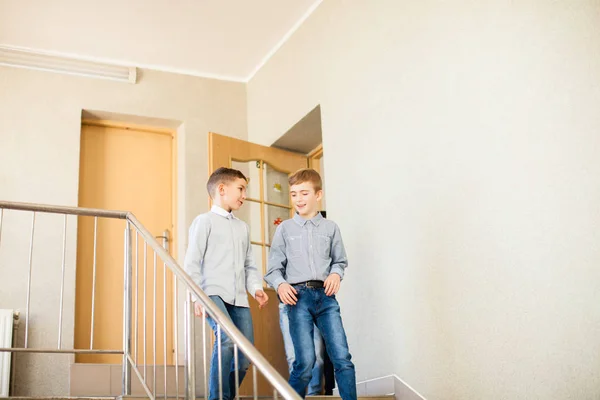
[306, 264]
[219, 260]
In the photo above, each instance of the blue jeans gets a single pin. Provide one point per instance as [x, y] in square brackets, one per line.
[315, 384]
[315, 307]
[240, 316]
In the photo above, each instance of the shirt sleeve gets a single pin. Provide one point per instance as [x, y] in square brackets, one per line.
[253, 283]
[194, 256]
[277, 260]
[339, 260]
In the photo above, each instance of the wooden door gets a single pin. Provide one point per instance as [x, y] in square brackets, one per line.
[123, 168]
[315, 161]
[268, 203]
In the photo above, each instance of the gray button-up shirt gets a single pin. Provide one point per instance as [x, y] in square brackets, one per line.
[219, 257]
[304, 250]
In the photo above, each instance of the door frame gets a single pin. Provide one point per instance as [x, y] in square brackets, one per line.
[104, 123]
[314, 157]
[314, 162]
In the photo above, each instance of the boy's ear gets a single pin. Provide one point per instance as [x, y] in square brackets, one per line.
[221, 189]
[319, 195]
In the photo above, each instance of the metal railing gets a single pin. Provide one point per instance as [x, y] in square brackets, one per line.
[133, 360]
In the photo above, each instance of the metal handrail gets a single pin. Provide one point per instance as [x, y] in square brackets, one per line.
[270, 373]
[45, 208]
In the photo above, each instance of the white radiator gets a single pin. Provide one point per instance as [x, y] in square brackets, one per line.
[6, 334]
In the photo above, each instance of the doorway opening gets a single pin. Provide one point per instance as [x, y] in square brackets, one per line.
[306, 137]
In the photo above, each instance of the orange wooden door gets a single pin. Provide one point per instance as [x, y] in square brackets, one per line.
[123, 168]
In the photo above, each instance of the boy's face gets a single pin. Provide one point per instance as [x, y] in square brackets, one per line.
[232, 194]
[305, 199]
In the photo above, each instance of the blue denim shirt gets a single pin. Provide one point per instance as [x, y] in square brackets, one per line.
[219, 257]
[304, 250]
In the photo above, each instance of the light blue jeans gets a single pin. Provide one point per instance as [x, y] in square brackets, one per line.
[241, 318]
[315, 384]
[315, 307]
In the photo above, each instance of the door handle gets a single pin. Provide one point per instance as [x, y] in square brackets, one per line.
[165, 239]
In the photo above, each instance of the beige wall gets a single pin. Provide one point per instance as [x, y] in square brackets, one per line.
[461, 143]
[40, 117]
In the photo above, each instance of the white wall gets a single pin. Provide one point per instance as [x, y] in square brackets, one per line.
[40, 119]
[462, 167]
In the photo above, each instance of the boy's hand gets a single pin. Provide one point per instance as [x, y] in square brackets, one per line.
[262, 298]
[332, 284]
[198, 309]
[287, 294]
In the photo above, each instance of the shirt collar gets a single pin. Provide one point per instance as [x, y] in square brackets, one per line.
[316, 220]
[220, 211]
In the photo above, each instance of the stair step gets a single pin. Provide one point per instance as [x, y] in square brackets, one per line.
[384, 397]
[59, 398]
[381, 397]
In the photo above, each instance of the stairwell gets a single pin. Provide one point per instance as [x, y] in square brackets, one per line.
[132, 379]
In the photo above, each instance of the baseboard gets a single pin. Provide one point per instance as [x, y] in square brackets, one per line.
[386, 385]
[403, 391]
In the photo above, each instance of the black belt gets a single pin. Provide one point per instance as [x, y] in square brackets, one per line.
[310, 284]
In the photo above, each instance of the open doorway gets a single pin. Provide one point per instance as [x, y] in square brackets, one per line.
[267, 204]
[306, 137]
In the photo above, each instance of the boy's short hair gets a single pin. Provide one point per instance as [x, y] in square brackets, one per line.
[306, 175]
[223, 175]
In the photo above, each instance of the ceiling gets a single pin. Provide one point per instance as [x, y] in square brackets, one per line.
[224, 39]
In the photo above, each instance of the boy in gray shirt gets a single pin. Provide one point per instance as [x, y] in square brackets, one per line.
[219, 259]
[306, 264]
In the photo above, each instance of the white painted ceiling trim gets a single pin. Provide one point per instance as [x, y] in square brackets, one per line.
[73, 58]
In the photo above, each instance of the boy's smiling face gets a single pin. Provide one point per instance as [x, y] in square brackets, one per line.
[232, 194]
[305, 199]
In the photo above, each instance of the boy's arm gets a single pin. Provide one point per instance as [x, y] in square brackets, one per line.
[277, 260]
[339, 260]
[194, 256]
[253, 283]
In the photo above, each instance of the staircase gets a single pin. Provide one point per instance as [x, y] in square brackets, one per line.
[139, 375]
[140, 365]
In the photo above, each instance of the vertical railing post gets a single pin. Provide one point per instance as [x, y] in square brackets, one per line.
[127, 309]
[190, 353]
